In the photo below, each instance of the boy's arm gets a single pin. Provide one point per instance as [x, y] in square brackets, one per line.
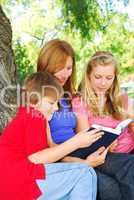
[82, 124]
[95, 159]
[73, 159]
[55, 153]
[67, 158]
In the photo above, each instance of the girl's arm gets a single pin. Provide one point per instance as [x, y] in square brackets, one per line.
[82, 122]
[130, 110]
[128, 105]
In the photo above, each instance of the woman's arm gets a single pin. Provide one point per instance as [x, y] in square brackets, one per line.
[49, 137]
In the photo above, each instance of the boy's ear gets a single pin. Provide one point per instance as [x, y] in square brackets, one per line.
[34, 105]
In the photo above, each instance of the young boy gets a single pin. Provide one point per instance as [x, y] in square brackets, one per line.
[25, 156]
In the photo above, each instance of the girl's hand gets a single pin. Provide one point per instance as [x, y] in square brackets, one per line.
[131, 128]
[113, 145]
[97, 158]
[86, 138]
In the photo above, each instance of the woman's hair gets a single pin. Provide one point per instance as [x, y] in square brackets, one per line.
[113, 103]
[52, 58]
[38, 85]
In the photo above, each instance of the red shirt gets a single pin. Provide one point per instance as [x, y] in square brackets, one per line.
[25, 134]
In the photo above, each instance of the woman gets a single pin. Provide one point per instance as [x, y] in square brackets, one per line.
[57, 58]
[107, 107]
[105, 103]
[53, 58]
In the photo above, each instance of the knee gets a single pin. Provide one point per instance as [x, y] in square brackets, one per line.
[90, 172]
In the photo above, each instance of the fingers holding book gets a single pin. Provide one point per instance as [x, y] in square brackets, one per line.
[95, 134]
[90, 137]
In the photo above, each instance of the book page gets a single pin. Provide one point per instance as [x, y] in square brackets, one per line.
[123, 124]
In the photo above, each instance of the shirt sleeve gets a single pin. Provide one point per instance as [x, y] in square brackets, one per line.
[127, 101]
[36, 137]
[128, 105]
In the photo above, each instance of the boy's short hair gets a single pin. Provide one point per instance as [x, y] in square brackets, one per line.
[38, 85]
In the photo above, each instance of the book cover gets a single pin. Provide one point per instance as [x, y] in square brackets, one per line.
[109, 136]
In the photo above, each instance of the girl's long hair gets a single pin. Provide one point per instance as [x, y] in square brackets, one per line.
[113, 105]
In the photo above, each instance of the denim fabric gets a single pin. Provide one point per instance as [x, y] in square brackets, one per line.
[116, 176]
[68, 181]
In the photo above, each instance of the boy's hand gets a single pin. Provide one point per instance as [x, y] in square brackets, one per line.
[86, 138]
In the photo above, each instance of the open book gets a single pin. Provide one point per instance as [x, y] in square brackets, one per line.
[119, 128]
[109, 136]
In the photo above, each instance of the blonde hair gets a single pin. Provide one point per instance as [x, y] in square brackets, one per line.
[52, 58]
[113, 105]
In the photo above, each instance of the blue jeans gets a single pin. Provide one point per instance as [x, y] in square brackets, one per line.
[116, 177]
[68, 181]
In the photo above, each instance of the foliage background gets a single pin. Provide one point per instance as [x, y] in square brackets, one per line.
[89, 25]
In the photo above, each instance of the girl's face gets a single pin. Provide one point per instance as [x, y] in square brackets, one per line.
[66, 72]
[101, 78]
[47, 107]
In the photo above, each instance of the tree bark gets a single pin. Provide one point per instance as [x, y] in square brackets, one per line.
[8, 75]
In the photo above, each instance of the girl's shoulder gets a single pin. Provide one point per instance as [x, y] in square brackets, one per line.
[126, 100]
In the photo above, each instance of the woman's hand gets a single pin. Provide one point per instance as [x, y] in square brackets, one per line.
[97, 158]
[86, 138]
[113, 145]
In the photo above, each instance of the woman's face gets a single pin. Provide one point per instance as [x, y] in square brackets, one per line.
[101, 78]
[66, 72]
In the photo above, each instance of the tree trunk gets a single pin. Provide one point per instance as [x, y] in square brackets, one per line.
[7, 70]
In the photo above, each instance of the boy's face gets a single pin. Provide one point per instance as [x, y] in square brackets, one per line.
[47, 107]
